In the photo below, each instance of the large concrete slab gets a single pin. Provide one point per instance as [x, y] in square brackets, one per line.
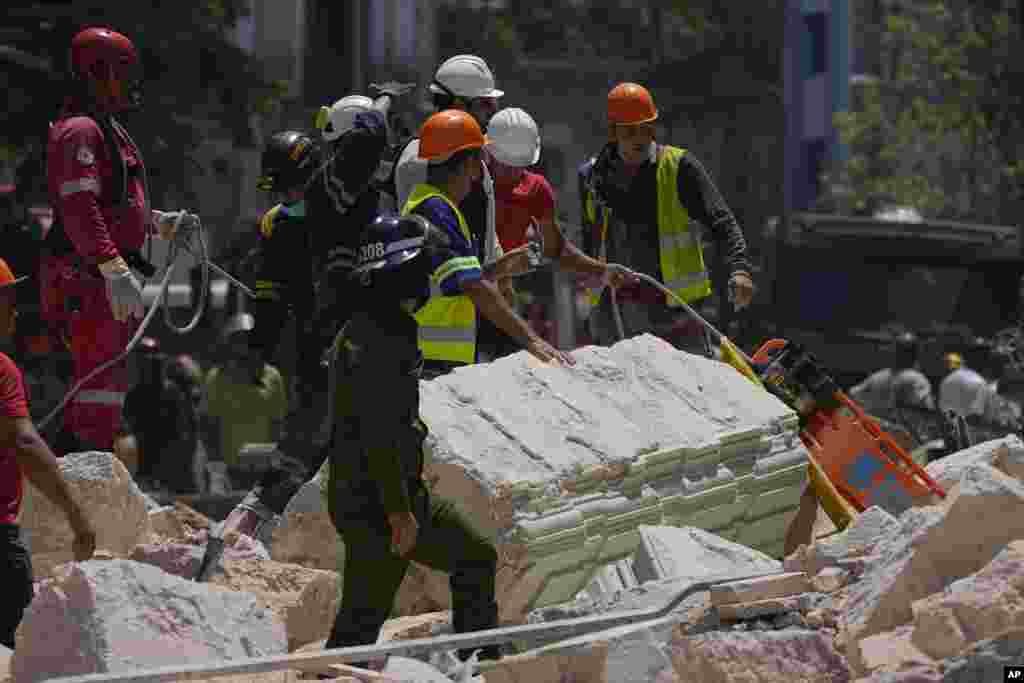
[559, 460]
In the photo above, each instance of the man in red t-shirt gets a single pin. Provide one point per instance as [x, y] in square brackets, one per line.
[524, 199]
[23, 452]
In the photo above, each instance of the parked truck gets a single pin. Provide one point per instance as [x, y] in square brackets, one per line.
[846, 286]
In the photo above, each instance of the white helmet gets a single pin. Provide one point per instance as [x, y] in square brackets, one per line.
[465, 76]
[339, 118]
[513, 138]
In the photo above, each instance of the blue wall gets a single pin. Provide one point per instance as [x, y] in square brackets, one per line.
[817, 77]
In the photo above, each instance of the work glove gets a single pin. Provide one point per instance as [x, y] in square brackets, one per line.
[123, 289]
[170, 228]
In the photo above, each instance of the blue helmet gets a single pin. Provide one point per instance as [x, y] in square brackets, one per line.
[391, 241]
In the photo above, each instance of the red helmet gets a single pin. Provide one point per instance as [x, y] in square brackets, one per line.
[111, 61]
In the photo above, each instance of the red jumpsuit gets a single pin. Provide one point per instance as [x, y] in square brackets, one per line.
[81, 176]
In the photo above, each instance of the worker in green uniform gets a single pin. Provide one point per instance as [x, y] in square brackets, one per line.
[376, 496]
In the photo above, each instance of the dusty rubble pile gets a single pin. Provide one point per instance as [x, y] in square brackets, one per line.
[932, 596]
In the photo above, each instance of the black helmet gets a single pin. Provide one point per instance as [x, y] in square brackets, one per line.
[288, 160]
[390, 241]
[391, 263]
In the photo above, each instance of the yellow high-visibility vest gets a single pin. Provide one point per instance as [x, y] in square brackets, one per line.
[447, 324]
[680, 252]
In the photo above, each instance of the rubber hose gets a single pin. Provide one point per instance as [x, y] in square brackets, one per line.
[172, 255]
[689, 309]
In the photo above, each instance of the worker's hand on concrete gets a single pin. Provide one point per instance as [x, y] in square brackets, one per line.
[741, 290]
[546, 353]
[84, 544]
[404, 529]
[123, 289]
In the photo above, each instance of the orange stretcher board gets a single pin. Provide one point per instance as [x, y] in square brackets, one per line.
[863, 463]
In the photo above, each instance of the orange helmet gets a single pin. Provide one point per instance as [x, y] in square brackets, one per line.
[629, 103]
[448, 132]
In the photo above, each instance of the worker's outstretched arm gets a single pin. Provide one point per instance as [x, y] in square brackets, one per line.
[494, 307]
[40, 467]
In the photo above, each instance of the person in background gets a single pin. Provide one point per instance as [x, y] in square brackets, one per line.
[25, 455]
[464, 83]
[525, 204]
[888, 392]
[184, 371]
[163, 422]
[642, 201]
[245, 399]
[964, 391]
[451, 143]
[98, 190]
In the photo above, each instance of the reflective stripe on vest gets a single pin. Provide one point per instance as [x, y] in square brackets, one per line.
[680, 252]
[101, 397]
[447, 324]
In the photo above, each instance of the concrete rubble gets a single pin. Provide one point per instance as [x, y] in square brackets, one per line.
[563, 466]
[118, 615]
[106, 491]
[930, 595]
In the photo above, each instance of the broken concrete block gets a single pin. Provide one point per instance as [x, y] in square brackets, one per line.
[581, 663]
[915, 675]
[974, 608]
[419, 626]
[110, 498]
[888, 652]
[986, 660]
[526, 448]
[176, 559]
[821, 618]
[1005, 454]
[192, 519]
[166, 524]
[869, 528]
[770, 607]
[118, 616]
[768, 657]
[830, 579]
[406, 669]
[764, 588]
[308, 539]
[687, 552]
[305, 600]
[933, 547]
[183, 560]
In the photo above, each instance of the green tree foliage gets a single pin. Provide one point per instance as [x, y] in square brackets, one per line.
[940, 127]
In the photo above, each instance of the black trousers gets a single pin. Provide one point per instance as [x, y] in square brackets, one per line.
[446, 541]
[16, 578]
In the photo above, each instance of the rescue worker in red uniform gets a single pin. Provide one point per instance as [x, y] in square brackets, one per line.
[97, 186]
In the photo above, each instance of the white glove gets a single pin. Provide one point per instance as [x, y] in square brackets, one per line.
[169, 227]
[123, 289]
